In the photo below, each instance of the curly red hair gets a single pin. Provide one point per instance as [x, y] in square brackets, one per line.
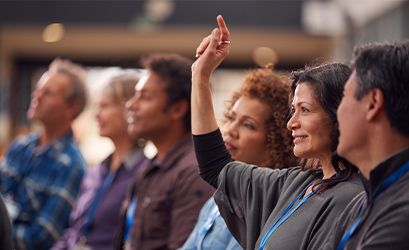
[272, 90]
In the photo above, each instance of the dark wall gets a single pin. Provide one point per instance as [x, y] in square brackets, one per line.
[286, 14]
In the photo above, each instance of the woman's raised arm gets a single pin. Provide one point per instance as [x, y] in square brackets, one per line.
[210, 53]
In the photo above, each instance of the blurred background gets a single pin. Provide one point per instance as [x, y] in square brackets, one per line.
[108, 36]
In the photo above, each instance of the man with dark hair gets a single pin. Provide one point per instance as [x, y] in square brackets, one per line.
[169, 193]
[374, 135]
[41, 172]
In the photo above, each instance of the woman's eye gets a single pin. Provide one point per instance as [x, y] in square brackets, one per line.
[303, 109]
[145, 97]
[248, 125]
[229, 118]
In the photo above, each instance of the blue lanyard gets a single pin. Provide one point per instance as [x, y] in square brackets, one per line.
[206, 227]
[284, 216]
[93, 208]
[130, 218]
[389, 181]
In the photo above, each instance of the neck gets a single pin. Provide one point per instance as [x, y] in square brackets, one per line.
[327, 168]
[379, 150]
[167, 140]
[52, 133]
[123, 145]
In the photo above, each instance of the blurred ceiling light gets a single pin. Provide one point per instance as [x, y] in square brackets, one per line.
[364, 11]
[336, 17]
[323, 18]
[53, 32]
[159, 10]
[265, 55]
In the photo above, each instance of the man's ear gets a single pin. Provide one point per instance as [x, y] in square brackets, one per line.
[179, 109]
[73, 109]
[376, 103]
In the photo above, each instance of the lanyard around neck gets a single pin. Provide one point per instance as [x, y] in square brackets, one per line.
[284, 216]
[106, 184]
[389, 181]
[129, 219]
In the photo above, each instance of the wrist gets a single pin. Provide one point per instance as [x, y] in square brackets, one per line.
[200, 79]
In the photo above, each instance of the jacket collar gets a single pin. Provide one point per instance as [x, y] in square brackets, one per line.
[385, 169]
[182, 147]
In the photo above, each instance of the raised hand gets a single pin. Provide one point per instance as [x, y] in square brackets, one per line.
[210, 53]
[212, 50]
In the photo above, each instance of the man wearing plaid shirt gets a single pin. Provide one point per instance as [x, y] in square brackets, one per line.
[41, 173]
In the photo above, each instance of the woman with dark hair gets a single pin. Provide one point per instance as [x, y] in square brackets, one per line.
[325, 84]
[256, 115]
[290, 208]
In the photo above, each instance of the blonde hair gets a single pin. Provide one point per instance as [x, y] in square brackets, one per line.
[122, 87]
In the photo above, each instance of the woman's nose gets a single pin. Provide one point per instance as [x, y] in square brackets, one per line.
[293, 123]
[231, 130]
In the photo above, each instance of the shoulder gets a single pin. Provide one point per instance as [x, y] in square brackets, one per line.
[207, 208]
[237, 168]
[70, 156]
[185, 163]
[344, 192]
[22, 142]
[188, 157]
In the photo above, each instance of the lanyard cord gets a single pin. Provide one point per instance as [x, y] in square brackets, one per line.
[129, 220]
[389, 181]
[284, 216]
[206, 227]
[97, 199]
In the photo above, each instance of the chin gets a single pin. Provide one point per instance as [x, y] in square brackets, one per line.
[297, 153]
[233, 156]
[103, 134]
[341, 151]
[31, 115]
[131, 130]
[135, 132]
[302, 154]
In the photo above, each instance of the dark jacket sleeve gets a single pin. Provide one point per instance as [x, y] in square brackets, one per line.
[6, 239]
[212, 155]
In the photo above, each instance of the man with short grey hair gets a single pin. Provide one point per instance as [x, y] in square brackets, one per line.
[41, 172]
[374, 136]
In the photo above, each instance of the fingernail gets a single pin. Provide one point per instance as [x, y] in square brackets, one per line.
[197, 55]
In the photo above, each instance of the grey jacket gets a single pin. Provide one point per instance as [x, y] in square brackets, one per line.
[385, 221]
[251, 199]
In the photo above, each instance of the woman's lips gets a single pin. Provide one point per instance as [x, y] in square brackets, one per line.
[230, 146]
[299, 139]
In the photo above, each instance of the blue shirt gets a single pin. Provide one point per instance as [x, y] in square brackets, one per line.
[42, 184]
[217, 238]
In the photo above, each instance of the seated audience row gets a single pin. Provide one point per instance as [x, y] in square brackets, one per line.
[346, 125]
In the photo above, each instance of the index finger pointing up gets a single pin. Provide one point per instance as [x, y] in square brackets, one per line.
[224, 31]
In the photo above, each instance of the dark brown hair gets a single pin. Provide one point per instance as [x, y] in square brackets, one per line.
[385, 66]
[328, 82]
[176, 71]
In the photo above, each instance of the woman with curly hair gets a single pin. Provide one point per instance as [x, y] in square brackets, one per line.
[291, 208]
[256, 115]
